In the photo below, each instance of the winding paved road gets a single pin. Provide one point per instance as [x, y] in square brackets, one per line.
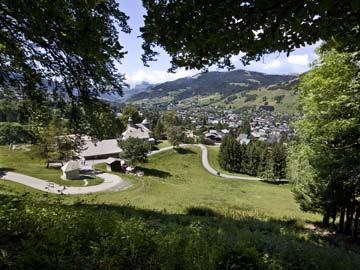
[206, 165]
[111, 182]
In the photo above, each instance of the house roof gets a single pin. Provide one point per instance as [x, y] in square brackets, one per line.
[104, 147]
[111, 160]
[70, 166]
[137, 131]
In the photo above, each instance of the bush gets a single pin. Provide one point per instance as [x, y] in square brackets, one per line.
[14, 133]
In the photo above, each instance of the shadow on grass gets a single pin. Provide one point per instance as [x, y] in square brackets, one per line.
[201, 212]
[281, 240]
[184, 151]
[4, 170]
[154, 172]
[86, 177]
[90, 172]
[275, 182]
[7, 169]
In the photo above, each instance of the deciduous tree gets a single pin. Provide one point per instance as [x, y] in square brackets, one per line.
[134, 150]
[175, 135]
[130, 111]
[330, 132]
[67, 47]
[202, 33]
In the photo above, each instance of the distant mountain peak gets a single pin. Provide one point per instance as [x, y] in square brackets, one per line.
[141, 85]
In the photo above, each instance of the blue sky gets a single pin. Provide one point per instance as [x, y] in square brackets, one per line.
[136, 72]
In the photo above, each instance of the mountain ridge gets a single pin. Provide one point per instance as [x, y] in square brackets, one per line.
[210, 83]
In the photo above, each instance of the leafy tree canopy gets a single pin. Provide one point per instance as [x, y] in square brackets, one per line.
[70, 47]
[134, 150]
[14, 133]
[175, 135]
[202, 33]
[329, 139]
[130, 111]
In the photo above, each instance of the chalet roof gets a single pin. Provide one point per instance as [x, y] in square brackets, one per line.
[99, 148]
[70, 166]
[137, 131]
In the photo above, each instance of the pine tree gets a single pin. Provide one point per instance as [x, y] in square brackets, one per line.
[159, 130]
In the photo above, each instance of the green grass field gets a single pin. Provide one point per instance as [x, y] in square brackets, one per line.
[174, 182]
[23, 162]
[287, 105]
[162, 144]
[177, 210]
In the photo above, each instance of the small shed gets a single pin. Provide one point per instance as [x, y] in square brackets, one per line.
[71, 170]
[113, 165]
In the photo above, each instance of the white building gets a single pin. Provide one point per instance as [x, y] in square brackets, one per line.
[140, 131]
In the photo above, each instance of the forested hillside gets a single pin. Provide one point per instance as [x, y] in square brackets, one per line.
[206, 84]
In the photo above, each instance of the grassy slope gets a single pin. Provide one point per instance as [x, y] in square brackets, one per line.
[175, 182]
[247, 213]
[288, 104]
[162, 144]
[22, 162]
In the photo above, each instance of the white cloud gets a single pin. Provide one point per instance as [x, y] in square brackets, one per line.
[235, 59]
[299, 59]
[273, 64]
[157, 76]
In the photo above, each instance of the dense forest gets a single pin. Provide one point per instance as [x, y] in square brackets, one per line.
[258, 158]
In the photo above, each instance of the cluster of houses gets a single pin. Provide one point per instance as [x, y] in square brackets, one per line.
[265, 125]
[108, 149]
[216, 136]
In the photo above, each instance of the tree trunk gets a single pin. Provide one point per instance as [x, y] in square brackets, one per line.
[348, 221]
[356, 223]
[326, 220]
[349, 216]
[333, 221]
[342, 219]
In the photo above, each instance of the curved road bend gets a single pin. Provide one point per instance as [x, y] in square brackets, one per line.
[206, 165]
[111, 183]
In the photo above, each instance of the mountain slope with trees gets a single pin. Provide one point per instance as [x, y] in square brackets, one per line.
[206, 84]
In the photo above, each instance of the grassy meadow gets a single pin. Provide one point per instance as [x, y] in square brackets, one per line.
[22, 161]
[288, 104]
[178, 216]
[175, 181]
[162, 143]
